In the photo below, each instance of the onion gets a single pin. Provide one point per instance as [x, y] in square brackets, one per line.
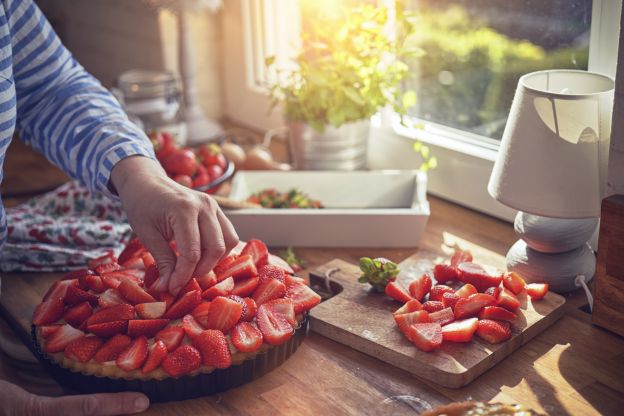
[234, 153]
[259, 158]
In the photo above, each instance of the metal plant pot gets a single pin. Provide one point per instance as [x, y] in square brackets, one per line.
[342, 148]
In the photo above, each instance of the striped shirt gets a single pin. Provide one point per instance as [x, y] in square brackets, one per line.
[56, 106]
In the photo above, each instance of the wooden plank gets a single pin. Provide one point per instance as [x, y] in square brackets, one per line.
[363, 320]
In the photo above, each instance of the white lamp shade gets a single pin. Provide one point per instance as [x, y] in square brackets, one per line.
[553, 154]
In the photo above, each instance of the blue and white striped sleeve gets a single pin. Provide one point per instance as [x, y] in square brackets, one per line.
[62, 110]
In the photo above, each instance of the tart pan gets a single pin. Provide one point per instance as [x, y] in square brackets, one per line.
[183, 388]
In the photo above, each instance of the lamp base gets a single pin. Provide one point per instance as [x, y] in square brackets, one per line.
[559, 270]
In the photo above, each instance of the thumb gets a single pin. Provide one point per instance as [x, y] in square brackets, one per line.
[94, 404]
[165, 259]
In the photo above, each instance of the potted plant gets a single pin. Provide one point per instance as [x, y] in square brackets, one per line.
[348, 68]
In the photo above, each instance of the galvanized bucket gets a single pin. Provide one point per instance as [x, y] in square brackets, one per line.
[342, 148]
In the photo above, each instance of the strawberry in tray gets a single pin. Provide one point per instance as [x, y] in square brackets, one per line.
[107, 321]
[466, 301]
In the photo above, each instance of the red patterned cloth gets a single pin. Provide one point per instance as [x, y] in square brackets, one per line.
[62, 230]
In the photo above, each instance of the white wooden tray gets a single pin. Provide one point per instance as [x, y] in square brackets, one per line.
[362, 208]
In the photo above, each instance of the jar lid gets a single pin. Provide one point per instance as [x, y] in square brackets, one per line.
[145, 83]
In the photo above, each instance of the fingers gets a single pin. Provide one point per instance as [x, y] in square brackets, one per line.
[158, 245]
[230, 237]
[92, 405]
[212, 242]
[187, 237]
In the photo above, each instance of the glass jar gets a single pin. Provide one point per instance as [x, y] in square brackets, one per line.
[154, 99]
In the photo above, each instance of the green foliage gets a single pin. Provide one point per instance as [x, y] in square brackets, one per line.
[377, 272]
[349, 68]
[484, 67]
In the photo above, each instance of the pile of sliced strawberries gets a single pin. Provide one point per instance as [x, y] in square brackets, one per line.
[109, 312]
[478, 303]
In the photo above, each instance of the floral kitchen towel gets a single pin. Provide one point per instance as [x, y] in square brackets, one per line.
[62, 229]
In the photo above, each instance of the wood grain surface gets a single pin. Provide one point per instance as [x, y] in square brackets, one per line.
[572, 368]
[363, 320]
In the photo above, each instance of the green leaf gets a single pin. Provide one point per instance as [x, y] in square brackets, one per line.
[269, 60]
[409, 99]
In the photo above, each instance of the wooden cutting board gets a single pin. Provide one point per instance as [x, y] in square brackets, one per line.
[363, 320]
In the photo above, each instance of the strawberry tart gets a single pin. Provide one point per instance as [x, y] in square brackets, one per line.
[104, 328]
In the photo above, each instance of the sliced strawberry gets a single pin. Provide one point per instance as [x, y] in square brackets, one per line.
[157, 354]
[460, 331]
[214, 348]
[494, 332]
[172, 336]
[240, 301]
[433, 306]
[250, 310]
[148, 259]
[134, 293]
[107, 329]
[75, 295]
[271, 271]
[168, 298]
[438, 291]
[110, 297]
[185, 359]
[537, 290]
[151, 310]
[496, 313]
[223, 314]
[460, 256]
[131, 250]
[268, 290]
[442, 317]
[397, 292]
[145, 327]
[222, 288]
[113, 279]
[411, 306]
[245, 287]
[493, 291]
[105, 259]
[47, 330]
[76, 315]
[151, 275]
[222, 266]
[58, 290]
[184, 305]
[92, 282]
[303, 297]
[246, 337]
[60, 338]
[513, 282]
[405, 320]
[108, 267]
[275, 329]
[208, 280]
[444, 273]
[258, 252]
[293, 280]
[476, 275]
[83, 349]
[449, 299]
[134, 263]
[506, 299]
[284, 307]
[78, 274]
[121, 312]
[112, 348]
[470, 306]
[420, 286]
[191, 327]
[466, 290]
[134, 356]
[48, 312]
[242, 267]
[190, 285]
[426, 336]
[200, 313]
[136, 275]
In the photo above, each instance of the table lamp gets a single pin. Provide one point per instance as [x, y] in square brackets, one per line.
[551, 167]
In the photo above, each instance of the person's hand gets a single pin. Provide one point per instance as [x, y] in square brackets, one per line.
[161, 210]
[17, 401]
